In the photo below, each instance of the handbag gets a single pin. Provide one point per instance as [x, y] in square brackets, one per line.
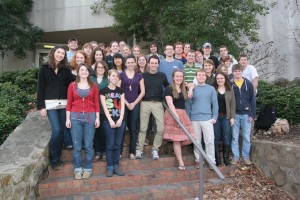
[55, 104]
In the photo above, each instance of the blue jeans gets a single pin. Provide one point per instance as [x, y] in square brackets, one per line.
[113, 142]
[82, 131]
[99, 138]
[68, 138]
[243, 122]
[222, 131]
[57, 120]
[132, 118]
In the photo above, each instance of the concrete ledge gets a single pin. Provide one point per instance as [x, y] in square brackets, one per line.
[280, 162]
[24, 158]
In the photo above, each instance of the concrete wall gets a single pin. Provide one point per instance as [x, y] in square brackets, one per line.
[64, 15]
[61, 19]
[11, 63]
[280, 162]
[278, 26]
[24, 158]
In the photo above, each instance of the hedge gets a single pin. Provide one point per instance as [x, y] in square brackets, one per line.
[25, 79]
[284, 95]
[17, 91]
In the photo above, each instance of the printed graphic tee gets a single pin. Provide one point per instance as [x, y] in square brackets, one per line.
[112, 101]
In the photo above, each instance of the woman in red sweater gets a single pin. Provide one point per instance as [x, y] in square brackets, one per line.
[83, 117]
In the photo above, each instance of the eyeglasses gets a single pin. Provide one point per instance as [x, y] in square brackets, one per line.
[100, 67]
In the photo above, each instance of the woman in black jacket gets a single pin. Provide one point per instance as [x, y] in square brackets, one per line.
[53, 81]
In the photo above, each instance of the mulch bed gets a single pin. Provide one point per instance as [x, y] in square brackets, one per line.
[293, 137]
[249, 182]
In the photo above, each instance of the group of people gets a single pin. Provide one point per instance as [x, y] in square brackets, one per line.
[91, 95]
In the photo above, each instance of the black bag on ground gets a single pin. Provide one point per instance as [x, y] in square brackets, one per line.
[266, 117]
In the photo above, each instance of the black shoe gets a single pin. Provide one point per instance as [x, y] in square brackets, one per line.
[54, 166]
[226, 155]
[60, 163]
[109, 173]
[217, 155]
[118, 172]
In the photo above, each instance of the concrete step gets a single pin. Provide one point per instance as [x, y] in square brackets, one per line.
[174, 191]
[166, 148]
[133, 179]
[126, 164]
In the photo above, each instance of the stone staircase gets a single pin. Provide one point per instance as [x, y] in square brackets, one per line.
[144, 179]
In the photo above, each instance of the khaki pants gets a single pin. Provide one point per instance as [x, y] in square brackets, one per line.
[157, 110]
[208, 133]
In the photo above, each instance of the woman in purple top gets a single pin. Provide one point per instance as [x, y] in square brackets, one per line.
[132, 84]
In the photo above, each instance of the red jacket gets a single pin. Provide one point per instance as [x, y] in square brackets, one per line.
[89, 103]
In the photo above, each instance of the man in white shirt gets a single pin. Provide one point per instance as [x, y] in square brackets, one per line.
[249, 71]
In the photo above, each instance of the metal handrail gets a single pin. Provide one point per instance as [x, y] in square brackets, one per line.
[202, 153]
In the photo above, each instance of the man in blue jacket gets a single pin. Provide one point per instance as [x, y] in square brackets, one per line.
[245, 114]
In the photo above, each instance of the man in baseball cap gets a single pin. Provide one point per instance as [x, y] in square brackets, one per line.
[72, 45]
[207, 49]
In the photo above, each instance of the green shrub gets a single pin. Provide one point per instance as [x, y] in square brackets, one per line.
[25, 79]
[286, 98]
[17, 89]
[9, 76]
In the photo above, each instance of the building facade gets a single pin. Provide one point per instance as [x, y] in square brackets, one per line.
[60, 20]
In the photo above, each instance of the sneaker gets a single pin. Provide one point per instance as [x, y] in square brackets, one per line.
[109, 173]
[139, 154]
[86, 174]
[197, 165]
[246, 161]
[118, 172]
[234, 162]
[96, 158]
[131, 156]
[103, 156]
[146, 143]
[154, 154]
[78, 176]
[70, 147]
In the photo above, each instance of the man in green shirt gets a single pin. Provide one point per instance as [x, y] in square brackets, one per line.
[190, 70]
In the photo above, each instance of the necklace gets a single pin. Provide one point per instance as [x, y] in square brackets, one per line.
[130, 79]
[130, 82]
